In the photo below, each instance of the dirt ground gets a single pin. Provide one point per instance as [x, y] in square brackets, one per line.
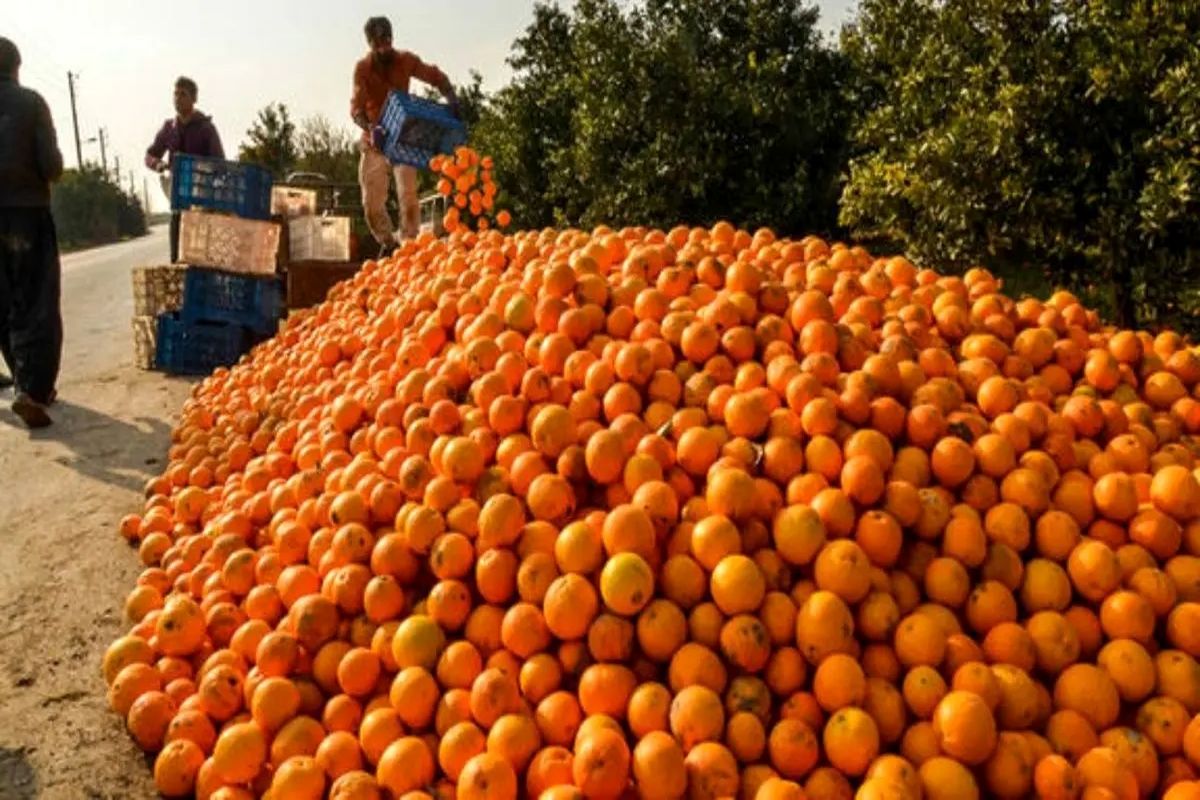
[64, 570]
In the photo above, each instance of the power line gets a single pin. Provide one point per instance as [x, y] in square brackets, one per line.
[33, 45]
[52, 89]
[42, 78]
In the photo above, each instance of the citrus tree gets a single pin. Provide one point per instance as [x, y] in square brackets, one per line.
[671, 109]
[1048, 137]
[526, 125]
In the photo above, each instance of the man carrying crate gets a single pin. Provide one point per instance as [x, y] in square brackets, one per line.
[30, 273]
[375, 75]
[189, 132]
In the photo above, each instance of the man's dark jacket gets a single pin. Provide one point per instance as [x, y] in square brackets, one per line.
[29, 155]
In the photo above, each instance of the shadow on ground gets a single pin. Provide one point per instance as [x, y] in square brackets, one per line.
[18, 781]
[103, 447]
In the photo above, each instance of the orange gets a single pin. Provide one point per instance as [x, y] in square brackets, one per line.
[964, 726]
[554, 511]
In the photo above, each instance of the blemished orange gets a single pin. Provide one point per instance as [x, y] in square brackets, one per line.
[703, 511]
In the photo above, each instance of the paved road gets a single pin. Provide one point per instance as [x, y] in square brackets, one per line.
[98, 302]
[64, 571]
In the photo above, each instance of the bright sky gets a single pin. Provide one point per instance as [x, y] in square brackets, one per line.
[243, 55]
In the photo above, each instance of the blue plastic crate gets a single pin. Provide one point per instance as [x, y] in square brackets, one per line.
[199, 348]
[243, 189]
[212, 296]
[418, 129]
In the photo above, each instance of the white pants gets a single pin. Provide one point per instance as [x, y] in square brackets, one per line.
[374, 173]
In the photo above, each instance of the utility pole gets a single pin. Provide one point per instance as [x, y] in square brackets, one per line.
[145, 193]
[117, 170]
[103, 156]
[132, 185]
[71, 76]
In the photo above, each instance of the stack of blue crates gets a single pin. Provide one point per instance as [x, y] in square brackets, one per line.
[223, 313]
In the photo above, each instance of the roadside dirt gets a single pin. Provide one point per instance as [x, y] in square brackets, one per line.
[64, 573]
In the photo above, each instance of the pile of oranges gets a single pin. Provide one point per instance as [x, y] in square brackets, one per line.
[466, 178]
[702, 513]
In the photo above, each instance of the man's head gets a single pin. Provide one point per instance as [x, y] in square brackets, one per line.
[185, 96]
[10, 59]
[379, 36]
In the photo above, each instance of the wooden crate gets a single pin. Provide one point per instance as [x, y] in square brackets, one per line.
[308, 282]
[157, 289]
[239, 245]
[144, 341]
[293, 201]
[319, 239]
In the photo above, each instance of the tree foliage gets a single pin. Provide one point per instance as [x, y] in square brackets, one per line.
[326, 149]
[316, 145]
[526, 125]
[89, 209]
[271, 140]
[1046, 135]
[670, 110]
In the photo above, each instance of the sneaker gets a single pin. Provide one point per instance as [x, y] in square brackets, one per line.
[31, 412]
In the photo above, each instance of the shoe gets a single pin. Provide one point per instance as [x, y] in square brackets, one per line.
[31, 412]
[6, 381]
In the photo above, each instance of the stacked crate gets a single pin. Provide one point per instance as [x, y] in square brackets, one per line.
[318, 246]
[232, 295]
[156, 290]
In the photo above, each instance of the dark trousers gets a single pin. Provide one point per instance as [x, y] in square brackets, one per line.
[31, 330]
[174, 236]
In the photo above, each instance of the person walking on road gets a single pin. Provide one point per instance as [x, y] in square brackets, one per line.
[30, 274]
[379, 72]
[189, 132]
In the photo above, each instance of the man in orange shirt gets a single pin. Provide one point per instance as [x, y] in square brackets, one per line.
[375, 75]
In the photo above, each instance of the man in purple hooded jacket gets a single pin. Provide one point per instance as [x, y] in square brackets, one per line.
[189, 132]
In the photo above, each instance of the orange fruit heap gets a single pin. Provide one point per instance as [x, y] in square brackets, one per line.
[702, 512]
[466, 178]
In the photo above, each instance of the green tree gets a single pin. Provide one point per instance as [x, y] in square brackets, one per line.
[526, 126]
[671, 110]
[327, 149]
[271, 141]
[1042, 136]
[89, 209]
[1140, 155]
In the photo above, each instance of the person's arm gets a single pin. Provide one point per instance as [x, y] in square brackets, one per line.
[214, 142]
[430, 74]
[49, 157]
[156, 150]
[358, 99]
